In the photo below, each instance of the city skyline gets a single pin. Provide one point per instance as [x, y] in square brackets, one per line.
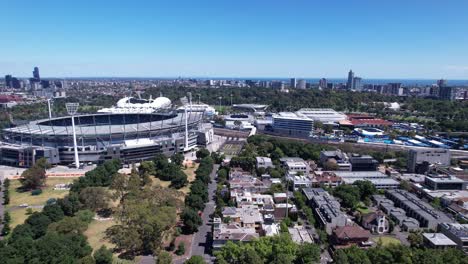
[398, 40]
[349, 82]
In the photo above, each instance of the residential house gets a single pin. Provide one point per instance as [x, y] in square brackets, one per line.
[234, 232]
[349, 235]
[376, 222]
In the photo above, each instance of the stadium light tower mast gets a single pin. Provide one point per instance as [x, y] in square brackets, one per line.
[72, 108]
[190, 100]
[186, 128]
[50, 111]
[186, 122]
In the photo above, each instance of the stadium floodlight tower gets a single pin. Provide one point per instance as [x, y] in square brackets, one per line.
[186, 121]
[72, 108]
[48, 107]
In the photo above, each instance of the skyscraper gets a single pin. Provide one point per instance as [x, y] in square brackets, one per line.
[15, 83]
[323, 83]
[8, 81]
[441, 83]
[293, 83]
[447, 93]
[349, 84]
[301, 84]
[394, 89]
[357, 83]
[36, 74]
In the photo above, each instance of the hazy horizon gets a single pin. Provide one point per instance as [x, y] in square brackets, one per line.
[378, 40]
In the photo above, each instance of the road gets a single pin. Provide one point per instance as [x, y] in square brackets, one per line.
[201, 242]
[2, 207]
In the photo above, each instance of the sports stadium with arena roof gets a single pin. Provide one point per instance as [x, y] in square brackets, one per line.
[131, 137]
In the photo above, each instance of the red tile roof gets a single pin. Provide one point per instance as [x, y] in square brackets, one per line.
[351, 232]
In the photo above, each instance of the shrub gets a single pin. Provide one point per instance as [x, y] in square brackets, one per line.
[171, 246]
[85, 216]
[103, 256]
[6, 197]
[177, 231]
[36, 192]
[163, 258]
[6, 229]
[180, 249]
[6, 183]
[6, 218]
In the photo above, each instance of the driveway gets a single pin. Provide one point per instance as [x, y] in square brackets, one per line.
[202, 240]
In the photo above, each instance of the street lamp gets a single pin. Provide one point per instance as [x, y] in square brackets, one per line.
[231, 99]
[72, 108]
[220, 102]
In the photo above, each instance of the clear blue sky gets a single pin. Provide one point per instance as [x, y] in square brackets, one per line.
[236, 38]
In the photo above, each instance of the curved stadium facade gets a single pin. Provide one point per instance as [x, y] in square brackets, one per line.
[131, 137]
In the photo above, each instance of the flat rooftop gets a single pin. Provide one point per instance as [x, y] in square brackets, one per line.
[439, 239]
[445, 179]
[459, 230]
[380, 181]
[360, 174]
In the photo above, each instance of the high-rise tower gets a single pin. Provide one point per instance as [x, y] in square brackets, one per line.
[36, 74]
[349, 84]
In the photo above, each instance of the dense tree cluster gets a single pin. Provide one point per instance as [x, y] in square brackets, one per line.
[55, 235]
[101, 176]
[300, 201]
[202, 153]
[217, 157]
[198, 196]
[278, 148]
[47, 237]
[222, 197]
[278, 249]
[165, 170]
[398, 254]
[144, 218]
[351, 195]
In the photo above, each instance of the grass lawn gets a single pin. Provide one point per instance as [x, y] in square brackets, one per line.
[386, 240]
[18, 216]
[190, 172]
[363, 209]
[17, 198]
[95, 235]
[96, 232]
[157, 181]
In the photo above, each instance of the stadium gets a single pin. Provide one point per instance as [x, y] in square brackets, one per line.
[131, 137]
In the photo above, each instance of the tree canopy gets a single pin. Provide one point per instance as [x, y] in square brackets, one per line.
[276, 249]
[398, 254]
[35, 176]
